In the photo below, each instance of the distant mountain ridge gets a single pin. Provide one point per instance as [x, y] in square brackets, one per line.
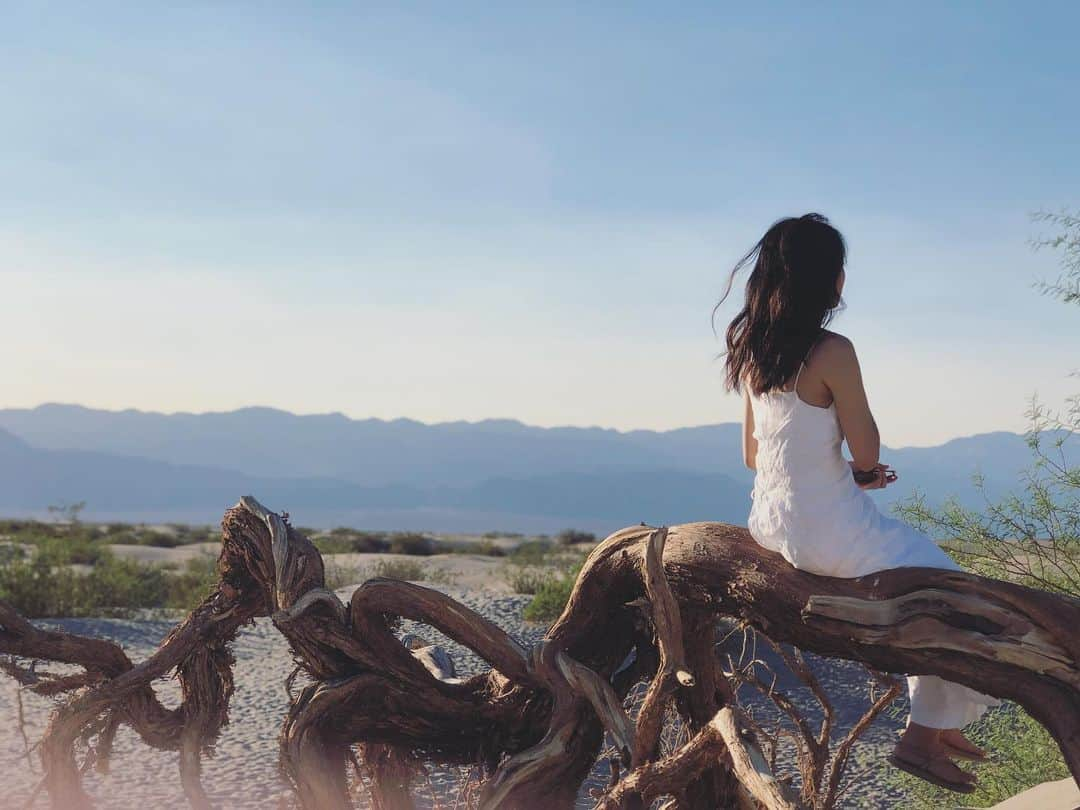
[368, 452]
[331, 469]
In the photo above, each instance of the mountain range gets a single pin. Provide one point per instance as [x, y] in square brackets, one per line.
[331, 470]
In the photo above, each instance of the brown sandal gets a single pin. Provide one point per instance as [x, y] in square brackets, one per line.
[921, 768]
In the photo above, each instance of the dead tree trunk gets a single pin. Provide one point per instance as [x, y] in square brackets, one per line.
[535, 721]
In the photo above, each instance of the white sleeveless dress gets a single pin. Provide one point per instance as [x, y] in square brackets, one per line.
[807, 507]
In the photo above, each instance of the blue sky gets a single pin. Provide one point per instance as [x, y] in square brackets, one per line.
[461, 211]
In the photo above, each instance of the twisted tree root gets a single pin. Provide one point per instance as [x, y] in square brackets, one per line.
[534, 722]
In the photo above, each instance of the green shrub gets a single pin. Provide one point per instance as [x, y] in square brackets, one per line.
[484, 548]
[551, 597]
[522, 579]
[412, 543]
[347, 541]
[163, 540]
[73, 551]
[356, 540]
[37, 588]
[333, 545]
[124, 538]
[368, 543]
[119, 584]
[533, 552]
[571, 537]
[409, 570]
[9, 552]
[188, 588]
[46, 585]
[31, 531]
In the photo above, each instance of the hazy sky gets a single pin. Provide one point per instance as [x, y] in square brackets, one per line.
[462, 211]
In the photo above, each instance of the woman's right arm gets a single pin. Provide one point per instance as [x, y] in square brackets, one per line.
[841, 373]
[749, 443]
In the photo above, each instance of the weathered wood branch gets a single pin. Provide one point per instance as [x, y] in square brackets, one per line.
[721, 740]
[890, 692]
[534, 723]
[750, 766]
[667, 624]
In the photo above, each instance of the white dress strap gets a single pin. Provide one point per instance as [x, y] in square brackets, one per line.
[802, 365]
[795, 387]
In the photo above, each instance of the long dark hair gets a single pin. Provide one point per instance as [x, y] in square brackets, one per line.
[790, 297]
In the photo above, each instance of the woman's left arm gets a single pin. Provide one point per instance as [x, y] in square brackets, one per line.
[749, 443]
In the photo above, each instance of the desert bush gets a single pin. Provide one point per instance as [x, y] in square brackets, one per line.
[571, 537]
[193, 584]
[533, 552]
[551, 597]
[73, 551]
[31, 532]
[369, 543]
[121, 584]
[348, 541]
[413, 543]
[10, 527]
[332, 545]
[127, 537]
[161, 540]
[34, 532]
[362, 542]
[526, 580]
[37, 587]
[337, 545]
[410, 570]
[46, 586]
[484, 548]
[9, 552]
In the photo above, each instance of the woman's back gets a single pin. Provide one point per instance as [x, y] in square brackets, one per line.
[798, 443]
[805, 503]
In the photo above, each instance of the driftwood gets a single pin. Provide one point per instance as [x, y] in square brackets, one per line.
[645, 607]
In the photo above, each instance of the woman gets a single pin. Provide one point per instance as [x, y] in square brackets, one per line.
[804, 396]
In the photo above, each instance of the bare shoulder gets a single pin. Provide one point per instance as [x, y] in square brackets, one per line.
[835, 352]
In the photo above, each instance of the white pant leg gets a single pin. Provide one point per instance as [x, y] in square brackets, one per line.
[938, 703]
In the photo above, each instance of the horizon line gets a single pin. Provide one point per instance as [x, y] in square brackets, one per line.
[453, 422]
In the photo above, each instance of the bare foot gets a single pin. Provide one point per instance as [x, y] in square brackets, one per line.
[960, 746]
